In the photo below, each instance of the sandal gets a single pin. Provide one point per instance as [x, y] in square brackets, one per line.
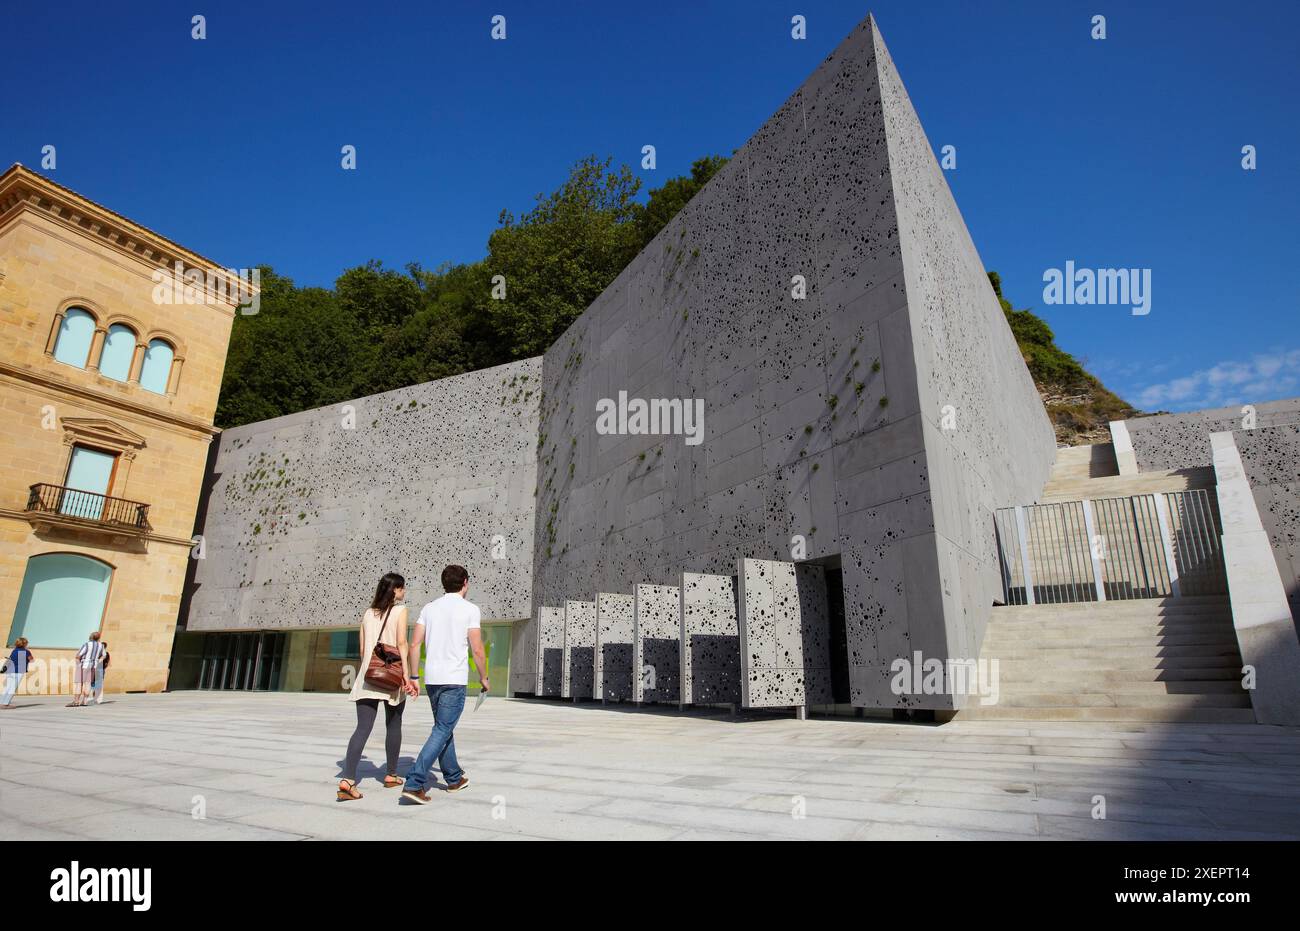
[391, 781]
[347, 791]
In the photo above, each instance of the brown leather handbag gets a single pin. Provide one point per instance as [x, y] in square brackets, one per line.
[385, 670]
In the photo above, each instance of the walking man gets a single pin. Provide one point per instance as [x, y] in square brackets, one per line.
[449, 628]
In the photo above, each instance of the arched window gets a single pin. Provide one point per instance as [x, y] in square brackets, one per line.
[61, 601]
[119, 350]
[75, 336]
[157, 368]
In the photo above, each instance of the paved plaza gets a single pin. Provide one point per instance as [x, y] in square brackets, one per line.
[264, 766]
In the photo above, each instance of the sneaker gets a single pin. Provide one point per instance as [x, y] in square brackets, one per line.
[459, 784]
[418, 796]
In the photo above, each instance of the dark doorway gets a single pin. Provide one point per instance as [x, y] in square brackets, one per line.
[839, 640]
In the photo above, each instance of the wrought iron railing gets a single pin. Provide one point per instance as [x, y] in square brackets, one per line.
[1144, 546]
[86, 505]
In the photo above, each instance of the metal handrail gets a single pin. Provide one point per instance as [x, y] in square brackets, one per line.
[87, 505]
[1140, 546]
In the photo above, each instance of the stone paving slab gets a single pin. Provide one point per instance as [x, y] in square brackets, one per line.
[264, 767]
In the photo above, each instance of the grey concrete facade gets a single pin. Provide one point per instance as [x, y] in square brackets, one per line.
[1182, 441]
[306, 512]
[878, 420]
[1261, 614]
[1270, 457]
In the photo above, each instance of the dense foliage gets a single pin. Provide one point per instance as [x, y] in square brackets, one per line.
[381, 329]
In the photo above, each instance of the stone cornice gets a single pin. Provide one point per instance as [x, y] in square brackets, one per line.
[23, 189]
[183, 422]
[23, 516]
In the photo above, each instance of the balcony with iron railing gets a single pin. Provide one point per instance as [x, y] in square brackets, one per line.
[71, 508]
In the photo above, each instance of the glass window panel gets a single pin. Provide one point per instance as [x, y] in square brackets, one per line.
[157, 367]
[75, 335]
[119, 349]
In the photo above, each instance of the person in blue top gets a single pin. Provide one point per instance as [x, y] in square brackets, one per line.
[15, 669]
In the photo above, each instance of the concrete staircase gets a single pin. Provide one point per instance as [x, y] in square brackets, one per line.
[1139, 659]
[1168, 659]
[1091, 472]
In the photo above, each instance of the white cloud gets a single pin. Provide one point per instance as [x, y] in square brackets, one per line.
[1265, 377]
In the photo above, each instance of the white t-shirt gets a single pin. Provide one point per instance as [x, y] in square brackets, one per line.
[447, 623]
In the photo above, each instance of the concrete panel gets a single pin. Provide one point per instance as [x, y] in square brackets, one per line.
[710, 660]
[615, 629]
[656, 645]
[1182, 441]
[306, 512]
[784, 634]
[579, 662]
[550, 651]
[1271, 459]
[1261, 615]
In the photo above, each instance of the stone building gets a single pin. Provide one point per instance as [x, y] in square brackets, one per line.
[108, 396]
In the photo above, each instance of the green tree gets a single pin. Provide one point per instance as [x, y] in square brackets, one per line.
[558, 257]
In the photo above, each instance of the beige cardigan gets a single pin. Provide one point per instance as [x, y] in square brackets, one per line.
[371, 622]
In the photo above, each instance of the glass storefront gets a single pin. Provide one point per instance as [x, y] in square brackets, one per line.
[300, 660]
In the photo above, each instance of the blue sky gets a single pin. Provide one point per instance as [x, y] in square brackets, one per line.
[1117, 153]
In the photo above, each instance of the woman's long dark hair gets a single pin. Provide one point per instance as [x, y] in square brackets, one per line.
[385, 593]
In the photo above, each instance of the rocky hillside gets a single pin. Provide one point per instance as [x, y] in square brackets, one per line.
[1080, 406]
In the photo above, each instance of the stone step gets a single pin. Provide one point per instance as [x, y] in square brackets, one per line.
[1075, 683]
[1087, 634]
[1156, 633]
[994, 644]
[1122, 700]
[1195, 477]
[1196, 668]
[977, 712]
[1091, 612]
[1150, 604]
[1118, 652]
[1093, 461]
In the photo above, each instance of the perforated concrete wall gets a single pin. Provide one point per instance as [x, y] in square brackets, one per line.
[656, 644]
[1271, 459]
[550, 652]
[988, 441]
[306, 512]
[710, 640]
[615, 628]
[579, 649]
[784, 634]
[821, 410]
[1182, 441]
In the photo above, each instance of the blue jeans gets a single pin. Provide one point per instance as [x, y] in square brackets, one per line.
[448, 702]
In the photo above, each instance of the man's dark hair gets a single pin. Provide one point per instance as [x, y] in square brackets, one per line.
[454, 578]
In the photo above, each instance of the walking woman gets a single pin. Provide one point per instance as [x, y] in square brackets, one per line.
[15, 669]
[384, 622]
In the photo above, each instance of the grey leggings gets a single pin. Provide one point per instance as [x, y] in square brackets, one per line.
[367, 709]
